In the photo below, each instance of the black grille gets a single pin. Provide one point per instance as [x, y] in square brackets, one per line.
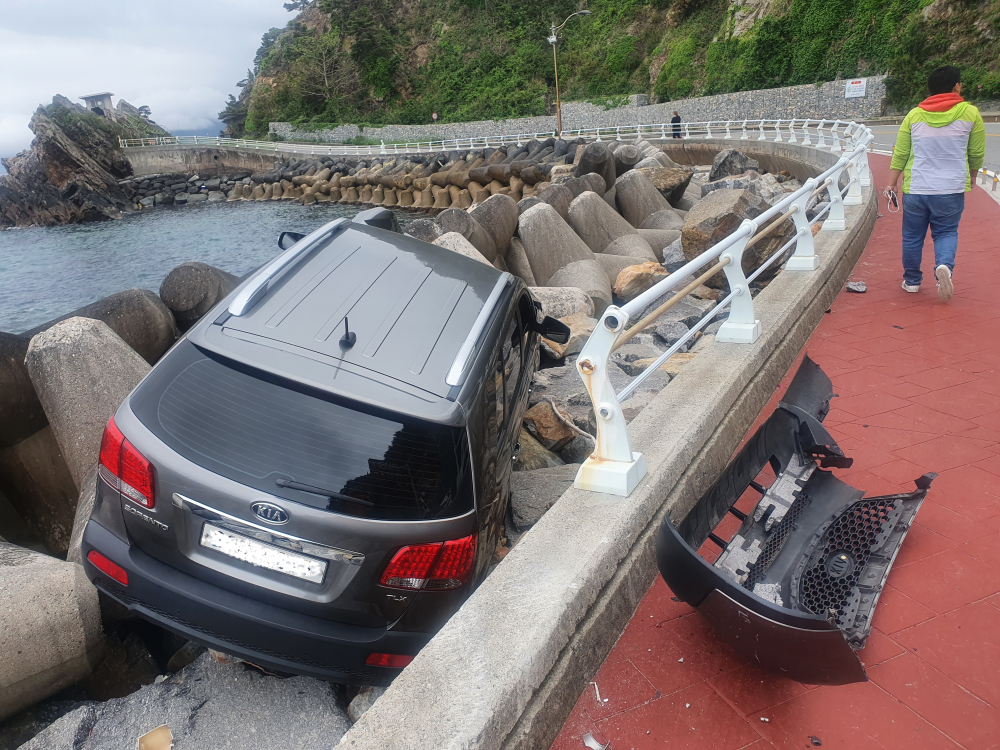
[775, 541]
[831, 579]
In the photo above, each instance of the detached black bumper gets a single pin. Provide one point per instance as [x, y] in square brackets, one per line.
[796, 588]
[270, 637]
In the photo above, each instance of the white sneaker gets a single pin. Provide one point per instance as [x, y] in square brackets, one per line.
[911, 288]
[944, 286]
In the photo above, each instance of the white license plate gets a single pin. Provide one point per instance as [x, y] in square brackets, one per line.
[262, 555]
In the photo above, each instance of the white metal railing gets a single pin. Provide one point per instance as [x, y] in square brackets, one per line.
[339, 149]
[614, 467]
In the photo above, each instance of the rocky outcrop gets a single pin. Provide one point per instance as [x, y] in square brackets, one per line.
[70, 174]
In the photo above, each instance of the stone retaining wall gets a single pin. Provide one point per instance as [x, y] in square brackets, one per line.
[813, 101]
[506, 670]
[150, 160]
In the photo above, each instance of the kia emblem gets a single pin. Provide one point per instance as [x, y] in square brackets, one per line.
[270, 513]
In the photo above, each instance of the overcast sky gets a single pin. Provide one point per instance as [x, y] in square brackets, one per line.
[182, 58]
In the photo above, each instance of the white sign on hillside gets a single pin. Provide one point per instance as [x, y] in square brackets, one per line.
[856, 88]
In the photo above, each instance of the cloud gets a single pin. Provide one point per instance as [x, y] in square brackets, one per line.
[181, 59]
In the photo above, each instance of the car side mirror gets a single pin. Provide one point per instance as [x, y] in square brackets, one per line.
[553, 329]
[287, 239]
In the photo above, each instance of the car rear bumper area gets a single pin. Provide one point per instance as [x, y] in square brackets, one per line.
[270, 637]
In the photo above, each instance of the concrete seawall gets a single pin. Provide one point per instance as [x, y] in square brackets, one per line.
[205, 159]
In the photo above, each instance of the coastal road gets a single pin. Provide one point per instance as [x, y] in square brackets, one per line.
[885, 137]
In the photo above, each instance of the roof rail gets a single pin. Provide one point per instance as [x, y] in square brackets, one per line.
[257, 288]
[456, 375]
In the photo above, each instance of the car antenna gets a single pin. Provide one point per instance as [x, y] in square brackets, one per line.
[348, 339]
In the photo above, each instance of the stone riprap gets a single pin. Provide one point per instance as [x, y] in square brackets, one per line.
[810, 100]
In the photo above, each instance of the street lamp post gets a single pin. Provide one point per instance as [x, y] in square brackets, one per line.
[553, 39]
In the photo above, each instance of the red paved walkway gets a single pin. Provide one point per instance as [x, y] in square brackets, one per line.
[919, 385]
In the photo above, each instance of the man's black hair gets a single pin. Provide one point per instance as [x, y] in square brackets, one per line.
[943, 80]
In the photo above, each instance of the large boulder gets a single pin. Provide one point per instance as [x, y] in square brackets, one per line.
[192, 289]
[717, 216]
[82, 371]
[730, 162]
[534, 492]
[462, 222]
[498, 216]
[563, 302]
[137, 315]
[457, 243]
[637, 198]
[517, 262]
[209, 704]
[549, 242]
[596, 222]
[743, 181]
[51, 635]
[534, 455]
[597, 158]
[634, 280]
[670, 181]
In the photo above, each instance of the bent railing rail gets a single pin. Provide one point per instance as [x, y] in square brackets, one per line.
[614, 467]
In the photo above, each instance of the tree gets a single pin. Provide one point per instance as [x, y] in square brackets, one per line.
[323, 71]
[145, 113]
[295, 5]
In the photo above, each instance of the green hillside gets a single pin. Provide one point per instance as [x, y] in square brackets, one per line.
[397, 61]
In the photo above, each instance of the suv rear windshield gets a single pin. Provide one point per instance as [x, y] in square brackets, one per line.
[301, 445]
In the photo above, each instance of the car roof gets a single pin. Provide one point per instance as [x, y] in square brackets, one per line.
[411, 306]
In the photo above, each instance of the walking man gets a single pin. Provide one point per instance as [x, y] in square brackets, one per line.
[940, 147]
[676, 122]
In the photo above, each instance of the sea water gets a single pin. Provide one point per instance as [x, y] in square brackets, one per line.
[46, 272]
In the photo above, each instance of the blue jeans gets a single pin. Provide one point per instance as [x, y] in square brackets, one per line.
[942, 213]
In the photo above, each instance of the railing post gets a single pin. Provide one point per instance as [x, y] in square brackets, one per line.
[777, 132]
[853, 197]
[663, 132]
[708, 131]
[687, 131]
[835, 147]
[804, 258]
[834, 221]
[806, 140]
[613, 467]
[761, 137]
[745, 137]
[820, 138]
[728, 136]
[618, 133]
[741, 327]
[865, 170]
[791, 132]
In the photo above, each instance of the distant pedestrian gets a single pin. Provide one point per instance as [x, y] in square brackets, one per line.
[676, 122]
[940, 147]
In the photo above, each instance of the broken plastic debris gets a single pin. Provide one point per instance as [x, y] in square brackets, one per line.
[765, 719]
[681, 660]
[597, 691]
[158, 739]
[590, 741]
[687, 705]
[815, 740]
[857, 287]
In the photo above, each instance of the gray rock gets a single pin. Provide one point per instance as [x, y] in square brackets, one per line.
[51, 636]
[426, 230]
[673, 256]
[216, 196]
[517, 262]
[534, 455]
[589, 276]
[84, 506]
[457, 243]
[743, 181]
[462, 222]
[632, 246]
[147, 202]
[525, 203]
[192, 289]
[659, 239]
[364, 700]
[209, 705]
[595, 222]
[686, 203]
[563, 302]
[687, 312]
[669, 331]
[630, 352]
[638, 198]
[549, 242]
[626, 157]
[534, 492]
[180, 199]
[595, 183]
[730, 162]
[137, 315]
[666, 218]
[197, 197]
[615, 264]
[82, 371]
[163, 199]
[557, 196]
[579, 449]
[498, 216]
[597, 158]
[213, 184]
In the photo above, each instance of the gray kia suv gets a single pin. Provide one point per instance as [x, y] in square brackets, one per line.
[316, 476]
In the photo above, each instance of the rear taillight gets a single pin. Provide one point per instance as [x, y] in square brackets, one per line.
[441, 565]
[396, 661]
[125, 469]
[103, 564]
